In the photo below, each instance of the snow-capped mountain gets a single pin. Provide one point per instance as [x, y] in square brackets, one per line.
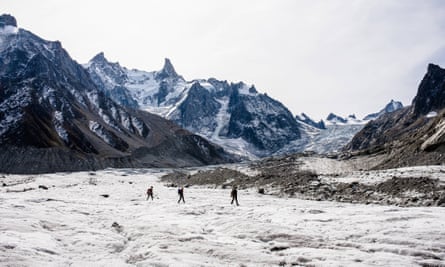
[233, 115]
[390, 107]
[331, 136]
[333, 119]
[307, 120]
[53, 117]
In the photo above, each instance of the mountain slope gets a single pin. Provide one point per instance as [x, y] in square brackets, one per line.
[413, 135]
[53, 117]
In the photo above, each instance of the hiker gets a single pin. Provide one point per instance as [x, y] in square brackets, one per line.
[150, 192]
[181, 194]
[234, 195]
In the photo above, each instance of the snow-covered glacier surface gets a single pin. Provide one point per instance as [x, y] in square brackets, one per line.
[102, 219]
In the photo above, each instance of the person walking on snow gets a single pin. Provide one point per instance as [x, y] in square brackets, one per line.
[150, 192]
[234, 195]
[181, 194]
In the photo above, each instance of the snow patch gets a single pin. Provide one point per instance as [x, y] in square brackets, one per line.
[138, 124]
[108, 120]
[58, 125]
[93, 96]
[8, 30]
[100, 132]
[432, 114]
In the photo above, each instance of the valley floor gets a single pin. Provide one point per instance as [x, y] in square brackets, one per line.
[103, 219]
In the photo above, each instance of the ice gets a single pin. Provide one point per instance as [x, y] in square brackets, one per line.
[72, 223]
[8, 30]
[431, 114]
[100, 132]
[139, 125]
[58, 124]
[5, 36]
[94, 98]
[108, 120]
[245, 90]
[222, 118]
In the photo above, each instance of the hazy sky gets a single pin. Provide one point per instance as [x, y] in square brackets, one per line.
[340, 56]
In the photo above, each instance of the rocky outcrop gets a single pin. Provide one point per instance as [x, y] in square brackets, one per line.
[431, 93]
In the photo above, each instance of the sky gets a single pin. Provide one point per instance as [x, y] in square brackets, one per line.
[315, 56]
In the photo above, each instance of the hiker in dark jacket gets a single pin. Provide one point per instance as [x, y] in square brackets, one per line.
[181, 194]
[150, 192]
[234, 195]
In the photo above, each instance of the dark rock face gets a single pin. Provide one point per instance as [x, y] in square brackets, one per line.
[54, 118]
[262, 121]
[7, 20]
[199, 109]
[431, 93]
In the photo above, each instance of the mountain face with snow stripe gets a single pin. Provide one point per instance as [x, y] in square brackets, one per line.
[233, 115]
[51, 107]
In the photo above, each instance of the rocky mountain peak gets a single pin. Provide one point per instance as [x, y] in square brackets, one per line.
[167, 71]
[393, 106]
[99, 58]
[7, 20]
[303, 117]
[390, 107]
[335, 118]
[431, 93]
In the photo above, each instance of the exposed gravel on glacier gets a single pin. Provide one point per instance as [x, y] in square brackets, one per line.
[103, 219]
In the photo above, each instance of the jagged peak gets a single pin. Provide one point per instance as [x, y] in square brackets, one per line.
[393, 105]
[332, 116]
[167, 71]
[7, 20]
[100, 57]
[433, 67]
